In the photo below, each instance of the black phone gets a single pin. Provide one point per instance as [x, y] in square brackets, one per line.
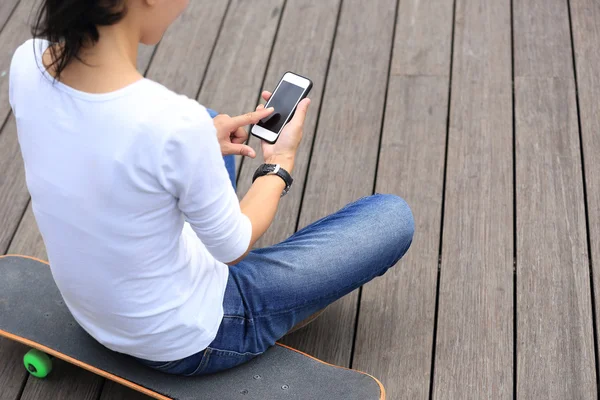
[290, 90]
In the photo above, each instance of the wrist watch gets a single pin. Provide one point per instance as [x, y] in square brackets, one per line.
[275, 169]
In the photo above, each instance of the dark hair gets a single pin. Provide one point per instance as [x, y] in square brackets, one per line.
[73, 24]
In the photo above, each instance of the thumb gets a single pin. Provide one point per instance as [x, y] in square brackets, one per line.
[241, 149]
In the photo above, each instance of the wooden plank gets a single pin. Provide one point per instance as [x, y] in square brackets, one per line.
[235, 75]
[183, 53]
[344, 160]
[145, 54]
[474, 344]
[297, 50]
[555, 350]
[585, 18]
[555, 339]
[542, 39]
[83, 385]
[423, 38]
[6, 9]
[15, 32]
[417, 101]
[12, 372]
[413, 169]
[13, 190]
[28, 240]
[114, 391]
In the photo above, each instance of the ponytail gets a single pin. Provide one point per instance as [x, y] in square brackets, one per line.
[73, 24]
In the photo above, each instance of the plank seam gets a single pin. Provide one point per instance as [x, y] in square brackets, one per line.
[443, 206]
[316, 129]
[267, 65]
[9, 16]
[585, 201]
[514, 177]
[23, 384]
[151, 58]
[377, 160]
[12, 238]
[101, 388]
[212, 50]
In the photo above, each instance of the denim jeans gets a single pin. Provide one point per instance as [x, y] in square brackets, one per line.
[275, 288]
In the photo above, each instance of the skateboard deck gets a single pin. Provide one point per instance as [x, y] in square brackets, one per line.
[32, 312]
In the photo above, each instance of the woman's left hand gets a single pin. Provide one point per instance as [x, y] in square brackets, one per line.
[232, 135]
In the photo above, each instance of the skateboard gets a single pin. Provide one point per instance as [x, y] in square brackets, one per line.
[33, 312]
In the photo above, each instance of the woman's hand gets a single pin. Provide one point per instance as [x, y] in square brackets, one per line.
[284, 150]
[232, 135]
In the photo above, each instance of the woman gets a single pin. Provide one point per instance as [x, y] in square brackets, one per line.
[146, 238]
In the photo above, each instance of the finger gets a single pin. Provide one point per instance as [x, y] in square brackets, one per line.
[251, 118]
[221, 120]
[266, 95]
[260, 107]
[241, 149]
[301, 111]
[239, 136]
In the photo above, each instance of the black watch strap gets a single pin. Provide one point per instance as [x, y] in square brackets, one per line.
[275, 169]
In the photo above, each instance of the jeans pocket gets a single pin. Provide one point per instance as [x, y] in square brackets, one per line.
[185, 366]
[221, 360]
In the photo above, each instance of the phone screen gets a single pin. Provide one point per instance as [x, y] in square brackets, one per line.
[284, 99]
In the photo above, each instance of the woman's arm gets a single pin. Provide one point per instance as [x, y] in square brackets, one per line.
[261, 201]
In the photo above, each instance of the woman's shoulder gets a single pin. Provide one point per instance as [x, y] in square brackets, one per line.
[170, 112]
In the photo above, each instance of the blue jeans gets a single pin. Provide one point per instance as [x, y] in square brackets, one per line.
[275, 288]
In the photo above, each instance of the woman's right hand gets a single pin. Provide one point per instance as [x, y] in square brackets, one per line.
[283, 152]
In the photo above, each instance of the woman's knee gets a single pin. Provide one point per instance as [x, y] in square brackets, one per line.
[393, 220]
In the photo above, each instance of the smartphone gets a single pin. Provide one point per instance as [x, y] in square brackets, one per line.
[290, 90]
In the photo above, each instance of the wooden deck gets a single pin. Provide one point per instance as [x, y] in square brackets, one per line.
[482, 114]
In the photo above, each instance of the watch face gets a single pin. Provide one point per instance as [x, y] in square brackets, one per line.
[269, 167]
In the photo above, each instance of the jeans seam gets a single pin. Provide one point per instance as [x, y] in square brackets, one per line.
[203, 362]
[235, 353]
[237, 317]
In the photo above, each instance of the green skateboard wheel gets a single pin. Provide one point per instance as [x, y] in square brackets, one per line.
[37, 363]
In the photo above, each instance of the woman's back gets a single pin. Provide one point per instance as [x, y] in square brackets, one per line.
[102, 170]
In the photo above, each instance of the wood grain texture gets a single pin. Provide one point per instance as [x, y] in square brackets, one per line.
[585, 18]
[555, 349]
[542, 42]
[6, 9]
[303, 45]
[13, 190]
[555, 339]
[344, 160]
[145, 54]
[183, 54]
[28, 240]
[396, 319]
[236, 70]
[411, 164]
[15, 32]
[235, 75]
[12, 373]
[423, 38]
[66, 382]
[114, 391]
[474, 346]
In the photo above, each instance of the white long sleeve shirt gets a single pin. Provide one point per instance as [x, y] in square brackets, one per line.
[133, 201]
